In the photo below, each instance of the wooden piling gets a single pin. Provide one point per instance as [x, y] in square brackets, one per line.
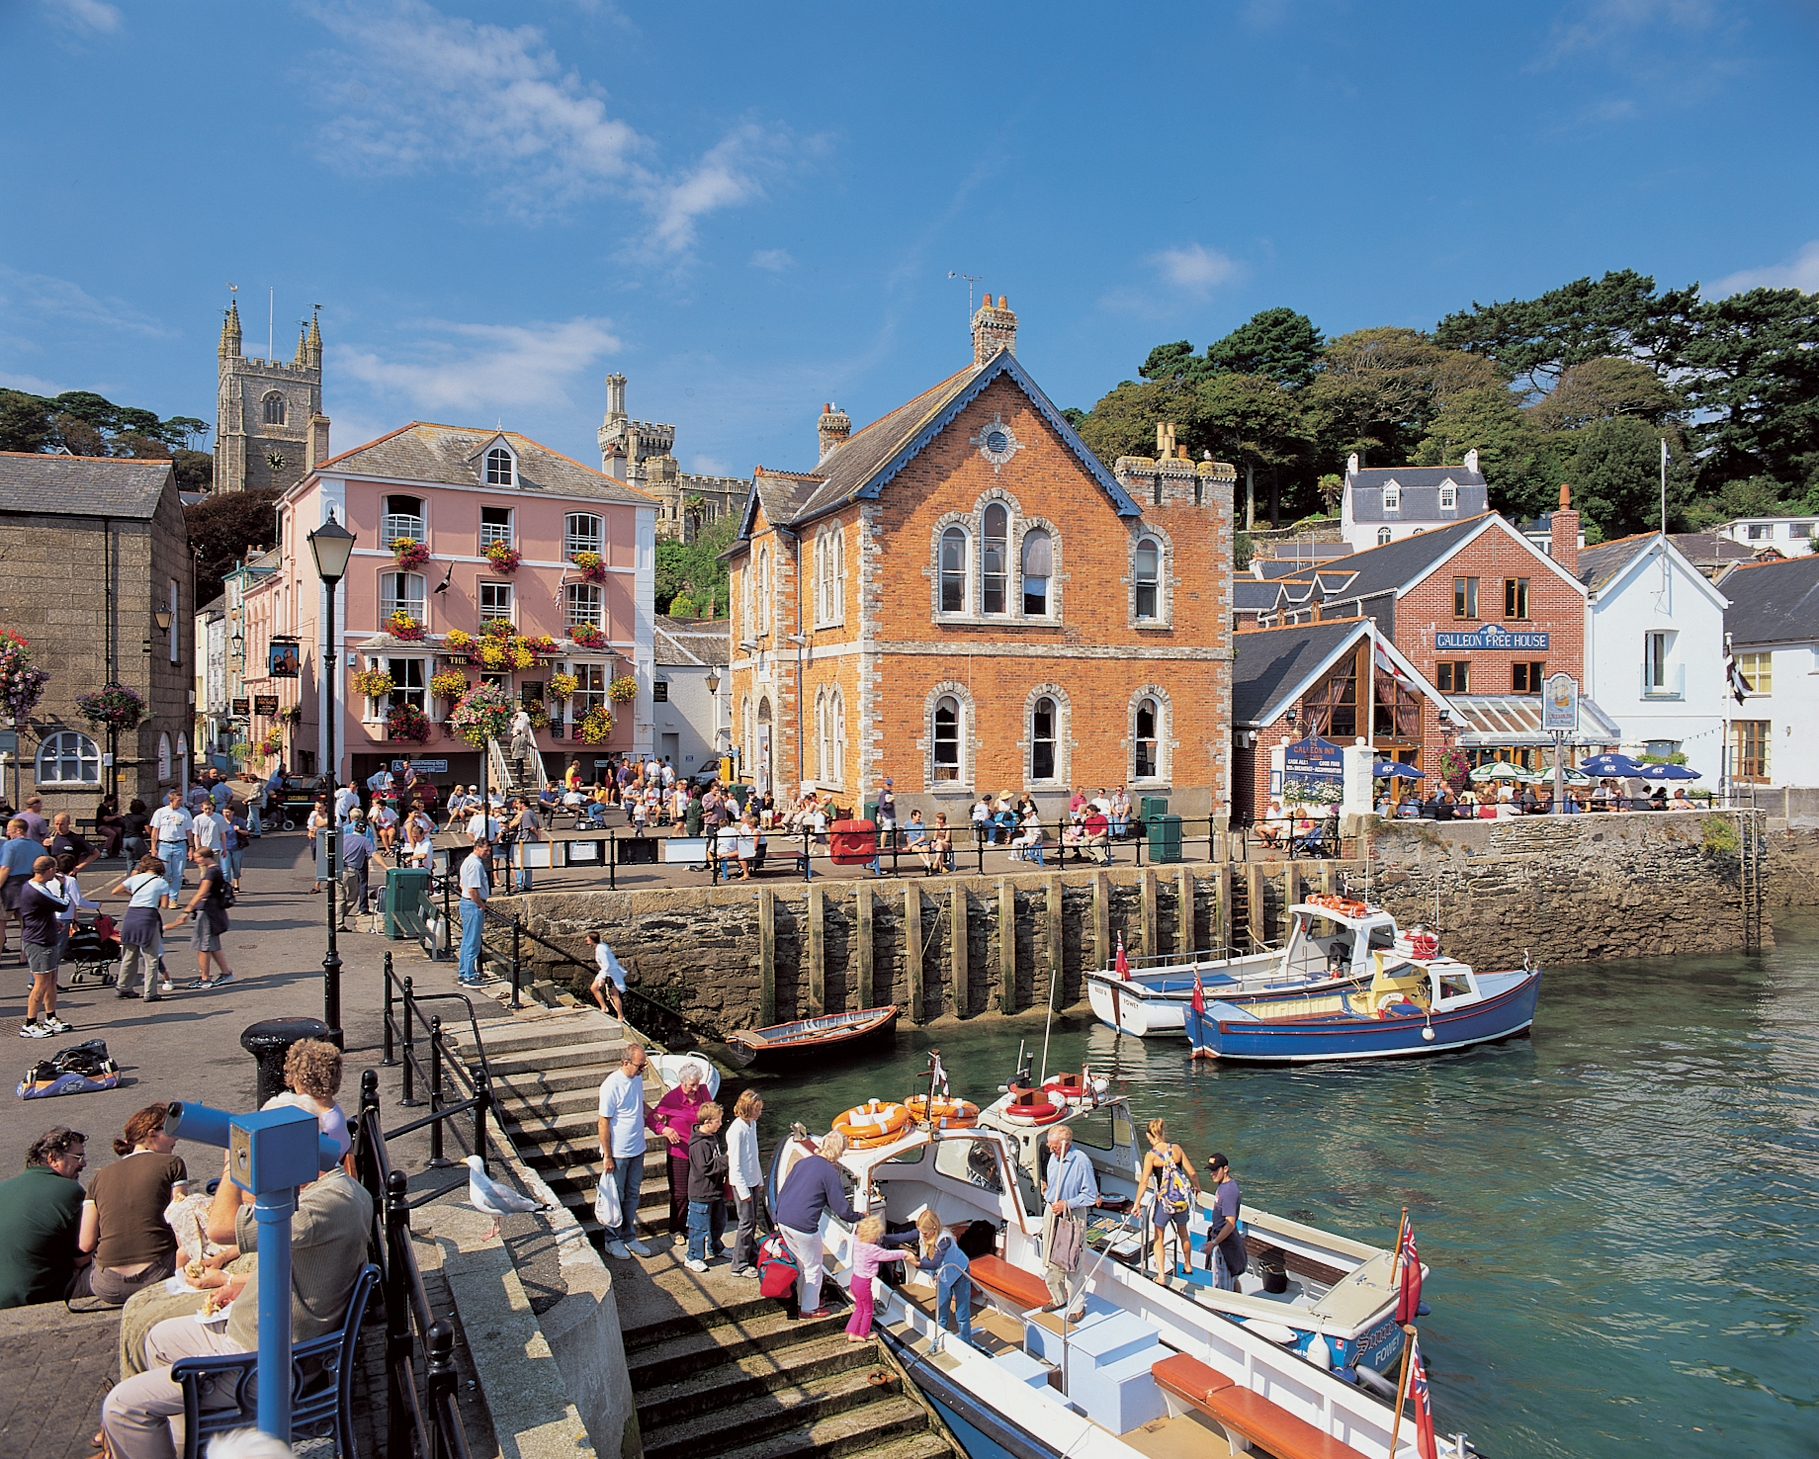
[1326, 877]
[1291, 885]
[767, 957]
[912, 949]
[1052, 915]
[1186, 933]
[959, 998]
[1259, 913]
[1007, 946]
[1219, 931]
[817, 952]
[1146, 886]
[862, 931]
[1102, 919]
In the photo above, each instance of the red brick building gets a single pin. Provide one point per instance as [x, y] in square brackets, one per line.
[961, 597]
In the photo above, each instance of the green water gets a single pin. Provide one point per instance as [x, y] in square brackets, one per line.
[1617, 1211]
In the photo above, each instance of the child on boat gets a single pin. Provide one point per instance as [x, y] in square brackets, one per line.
[942, 1255]
[867, 1255]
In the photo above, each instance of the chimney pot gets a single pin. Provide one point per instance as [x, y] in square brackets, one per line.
[1351, 464]
[994, 329]
[1471, 459]
[1566, 496]
[835, 426]
[1001, 303]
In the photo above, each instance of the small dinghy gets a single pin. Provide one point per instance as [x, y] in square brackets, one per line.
[832, 1032]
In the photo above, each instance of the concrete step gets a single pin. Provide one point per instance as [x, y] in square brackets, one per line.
[897, 1429]
[728, 1384]
[771, 1333]
[601, 1058]
[688, 1324]
[530, 1084]
[778, 1410]
[544, 1030]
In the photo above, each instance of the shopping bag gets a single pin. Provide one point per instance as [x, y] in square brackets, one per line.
[607, 1210]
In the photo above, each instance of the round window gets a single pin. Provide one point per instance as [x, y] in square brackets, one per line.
[996, 441]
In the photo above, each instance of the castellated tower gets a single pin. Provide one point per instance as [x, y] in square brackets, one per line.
[269, 426]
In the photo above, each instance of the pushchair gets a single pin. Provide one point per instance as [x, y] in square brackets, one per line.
[93, 950]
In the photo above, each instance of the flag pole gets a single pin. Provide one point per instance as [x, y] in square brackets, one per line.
[1408, 1345]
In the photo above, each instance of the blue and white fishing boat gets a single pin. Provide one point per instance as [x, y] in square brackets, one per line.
[1412, 1005]
[1330, 943]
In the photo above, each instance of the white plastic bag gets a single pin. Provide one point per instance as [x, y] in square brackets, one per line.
[606, 1203]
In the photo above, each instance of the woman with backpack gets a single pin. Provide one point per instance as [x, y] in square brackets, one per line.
[1176, 1192]
[207, 911]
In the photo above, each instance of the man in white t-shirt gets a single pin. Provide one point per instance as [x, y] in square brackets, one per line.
[171, 828]
[379, 782]
[346, 799]
[384, 825]
[208, 829]
[622, 1127]
[476, 887]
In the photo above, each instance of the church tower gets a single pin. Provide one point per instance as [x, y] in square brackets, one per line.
[269, 426]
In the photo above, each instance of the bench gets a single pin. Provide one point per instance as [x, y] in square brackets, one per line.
[1008, 1287]
[1245, 1416]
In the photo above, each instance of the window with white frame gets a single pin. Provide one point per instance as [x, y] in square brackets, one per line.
[586, 604]
[994, 560]
[70, 757]
[1655, 649]
[495, 602]
[1449, 497]
[582, 532]
[1044, 731]
[763, 624]
[830, 736]
[499, 467]
[401, 591]
[1147, 741]
[949, 722]
[495, 526]
[403, 518]
[953, 570]
[1392, 498]
[1146, 577]
[1038, 568]
[830, 577]
[590, 689]
[1383, 536]
[410, 685]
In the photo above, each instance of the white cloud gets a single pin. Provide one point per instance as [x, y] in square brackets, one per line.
[1799, 272]
[775, 260]
[32, 384]
[93, 16]
[726, 176]
[1195, 270]
[49, 297]
[477, 369]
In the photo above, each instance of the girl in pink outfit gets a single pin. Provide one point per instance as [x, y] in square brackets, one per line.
[867, 1254]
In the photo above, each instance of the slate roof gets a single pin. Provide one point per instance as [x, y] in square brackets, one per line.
[1712, 549]
[1774, 602]
[1273, 663]
[1606, 561]
[1384, 569]
[1420, 493]
[871, 457]
[453, 456]
[81, 486]
[1251, 596]
[693, 641]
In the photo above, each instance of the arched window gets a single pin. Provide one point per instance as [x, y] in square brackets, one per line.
[824, 736]
[1038, 568]
[274, 409]
[953, 570]
[1044, 725]
[1148, 740]
[1147, 576]
[69, 758]
[948, 719]
[581, 532]
[994, 558]
[164, 757]
[839, 769]
[748, 745]
[499, 467]
[830, 577]
[763, 625]
[403, 518]
[1383, 536]
[183, 757]
[401, 591]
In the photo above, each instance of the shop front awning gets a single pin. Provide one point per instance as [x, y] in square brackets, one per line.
[1486, 720]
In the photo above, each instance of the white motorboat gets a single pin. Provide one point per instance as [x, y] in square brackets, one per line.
[1329, 945]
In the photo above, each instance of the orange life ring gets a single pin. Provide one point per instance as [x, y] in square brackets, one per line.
[1345, 905]
[947, 1114]
[876, 1122]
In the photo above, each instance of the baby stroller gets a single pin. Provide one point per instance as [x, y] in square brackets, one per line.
[93, 950]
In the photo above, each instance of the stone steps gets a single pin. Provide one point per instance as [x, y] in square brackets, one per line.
[871, 1431]
[786, 1404]
[731, 1381]
[768, 1331]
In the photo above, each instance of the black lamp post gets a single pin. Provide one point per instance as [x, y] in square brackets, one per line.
[332, 545]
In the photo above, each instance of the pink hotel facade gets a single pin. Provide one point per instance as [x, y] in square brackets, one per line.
[458, 492]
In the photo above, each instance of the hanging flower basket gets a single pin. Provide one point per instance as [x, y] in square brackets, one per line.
[409, 553]
[585, 635]
[402, 625]
[291, 714]
[272, 743]
[539, 713]
[407, 722]
[484, 713]
[113, 707]
[519, 654]
[623, 690]
[448, 684]
[563, 686]
[21, 681]
[543, 645]
[504, 557]
[595, 727]
[589, 565]
[492, 652]
[1454, 768]
[497, 628]
[374, 683]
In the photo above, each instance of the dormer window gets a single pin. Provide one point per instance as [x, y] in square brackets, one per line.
[1392, 498]
[1449, 497]
[501, 470]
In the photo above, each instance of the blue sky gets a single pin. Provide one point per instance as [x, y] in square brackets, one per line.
[754, 209]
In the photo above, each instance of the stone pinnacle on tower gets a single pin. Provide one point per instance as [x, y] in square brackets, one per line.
[312, 353]
[230, 330]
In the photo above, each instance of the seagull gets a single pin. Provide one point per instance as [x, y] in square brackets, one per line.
[489, 1196]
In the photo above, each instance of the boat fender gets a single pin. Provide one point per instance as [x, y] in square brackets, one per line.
[1427, 1033]
[1319, 1353]
[1372, 1381]
[1423, 1310]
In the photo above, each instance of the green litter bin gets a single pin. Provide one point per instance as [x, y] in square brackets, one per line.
[1165, 837]
[1151, 806]
[405, 901]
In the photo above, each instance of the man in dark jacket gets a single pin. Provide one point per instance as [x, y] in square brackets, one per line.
[707, 1170]
[813, 1186]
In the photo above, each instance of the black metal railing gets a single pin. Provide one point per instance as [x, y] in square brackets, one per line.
[403, 1015]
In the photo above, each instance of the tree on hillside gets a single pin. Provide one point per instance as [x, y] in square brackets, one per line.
[1255, 423]
[86, 424]
[1378, 390]
[223, 529]
[695, 568]
[1520, 462]
[1615, 471]
[1277, 344]
[1753, 366]
[1604, 389]
[1123, 423]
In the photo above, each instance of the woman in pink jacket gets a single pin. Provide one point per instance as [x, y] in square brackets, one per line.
[674, 1119]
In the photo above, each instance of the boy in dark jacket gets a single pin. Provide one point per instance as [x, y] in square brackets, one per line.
[707, 1169]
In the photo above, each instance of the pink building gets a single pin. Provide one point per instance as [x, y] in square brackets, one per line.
[462, 500]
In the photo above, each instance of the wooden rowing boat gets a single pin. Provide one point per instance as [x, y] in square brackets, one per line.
[832, 1032]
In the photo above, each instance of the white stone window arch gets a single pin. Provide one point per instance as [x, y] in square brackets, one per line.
[164, 757]
[748, 735]
[183, 756]
[272, 408]
[69, 757]
[1047, 742]
[830, 576]
[1151, 577]
[948, 737]
[1383, 536]
[1151, 745]
[763, 625]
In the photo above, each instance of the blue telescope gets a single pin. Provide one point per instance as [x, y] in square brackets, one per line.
[271, 1153]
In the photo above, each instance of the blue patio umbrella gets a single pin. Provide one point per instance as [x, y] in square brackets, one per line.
[1396, 770]
[1611, 765]
[1666, 772]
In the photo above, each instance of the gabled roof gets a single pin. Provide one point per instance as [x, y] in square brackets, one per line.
[693, 642]
[1602, 564]
[1273, 667]
[1396, 567]
[81, 486]
[1774, 602]
[1420, 493]
[452, 456]
[870, 459]
[1251, 596]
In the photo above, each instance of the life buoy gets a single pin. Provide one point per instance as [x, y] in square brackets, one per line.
[876, 1122]
[1026, 1109]
[1065, 1087]
[1389, 1002]
[1423, 945]
[946, 1114]
[1343, 905]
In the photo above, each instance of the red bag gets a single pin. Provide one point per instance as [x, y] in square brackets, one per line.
[777, 1268]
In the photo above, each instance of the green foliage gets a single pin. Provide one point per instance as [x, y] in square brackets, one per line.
[1753, 368]
[1721, 837]
[1241, 551]
[87, 424]
[1123, 423]
[221, 531]
[1277, 345]
[1521, 462]
[1603, 389]
[694, 567]
[1616, 475]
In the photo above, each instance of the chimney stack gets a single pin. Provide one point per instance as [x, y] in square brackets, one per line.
[315, 448]
[615, 398]
[836, 426]
[1471, 461]
[994, 329]
[1351, 464]
[1563, 532]
[1165, 439]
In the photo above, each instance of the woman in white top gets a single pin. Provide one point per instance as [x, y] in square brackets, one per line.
[417, 844]
[609, 982]
[747, 1177]
[142, 929]
[319, 817]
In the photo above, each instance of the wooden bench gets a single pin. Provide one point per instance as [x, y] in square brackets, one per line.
[1246, 1417]
[1008, 1287]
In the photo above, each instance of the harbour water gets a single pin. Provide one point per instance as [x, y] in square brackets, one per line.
[1619, 1212]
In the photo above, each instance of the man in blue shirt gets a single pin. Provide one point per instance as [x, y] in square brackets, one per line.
[17, 855]
[476, 887]
[1069, 1190]
[813, 1186]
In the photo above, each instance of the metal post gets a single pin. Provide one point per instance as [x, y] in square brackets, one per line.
[272, 1210]
[612, 860]
[367, 1124]
[979, 846]
[515, 960]
[483, 1101]
[397, 1313]
[807, 853]
[331, 964]
[448, 911]
[390, 1050]
[442, 1379]
[436, 1158]
[409, 1099]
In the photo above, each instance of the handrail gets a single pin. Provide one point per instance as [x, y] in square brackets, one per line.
[478, 1079]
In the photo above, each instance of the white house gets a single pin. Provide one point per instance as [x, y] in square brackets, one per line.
[1773, 625]
[692, 692]
[1790, 536]
[1654, 650]
[1384, 504]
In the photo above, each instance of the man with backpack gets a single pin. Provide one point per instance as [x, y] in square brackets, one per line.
[1224, 1244]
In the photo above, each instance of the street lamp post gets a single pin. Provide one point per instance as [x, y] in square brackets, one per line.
[332, 545]
[712, 683]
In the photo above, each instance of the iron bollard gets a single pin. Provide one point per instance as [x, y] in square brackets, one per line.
[979, 843]
[436, 1159]
[612, 861]
[442, 1380]
[516, 964]
[448, 913]
[409, 1099]
[389, 1045]
[483, 1101]
[808, 873]
[397, 1312]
